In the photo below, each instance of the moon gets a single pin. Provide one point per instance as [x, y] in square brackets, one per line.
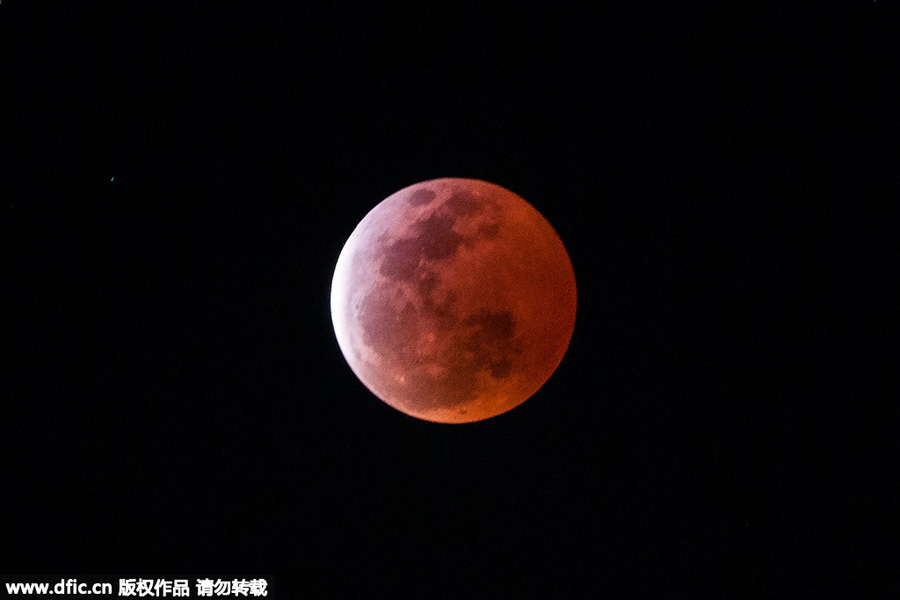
[453, 300]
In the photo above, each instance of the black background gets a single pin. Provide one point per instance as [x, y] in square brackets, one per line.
[179, 182]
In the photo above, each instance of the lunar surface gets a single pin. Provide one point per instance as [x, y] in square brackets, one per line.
[453, 300]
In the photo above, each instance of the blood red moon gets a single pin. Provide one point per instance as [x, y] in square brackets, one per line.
[453, 300]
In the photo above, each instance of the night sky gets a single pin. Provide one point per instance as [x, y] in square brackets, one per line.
[177, 184]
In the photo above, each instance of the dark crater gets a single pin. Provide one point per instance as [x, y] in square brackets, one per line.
[421, 197]
[490, 340]
[435, 240]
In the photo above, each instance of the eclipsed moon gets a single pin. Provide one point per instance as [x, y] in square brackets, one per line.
[453, 300]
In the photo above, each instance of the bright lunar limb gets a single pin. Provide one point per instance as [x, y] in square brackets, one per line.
[453, 300]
